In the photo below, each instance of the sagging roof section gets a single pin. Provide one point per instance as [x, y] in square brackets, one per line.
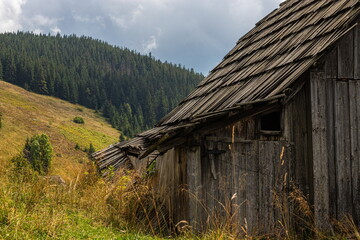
[264, 62]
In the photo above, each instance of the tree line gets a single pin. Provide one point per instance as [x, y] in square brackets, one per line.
[132, 90]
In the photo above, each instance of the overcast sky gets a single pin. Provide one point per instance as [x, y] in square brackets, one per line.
[194, 33]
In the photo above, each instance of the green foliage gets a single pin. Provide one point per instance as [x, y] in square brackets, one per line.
[78, 120]
[77, 146]
[38, 151]
[122, 137]
[91, 149]
[133, 91]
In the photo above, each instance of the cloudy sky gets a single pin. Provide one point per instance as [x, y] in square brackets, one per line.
[194, 33]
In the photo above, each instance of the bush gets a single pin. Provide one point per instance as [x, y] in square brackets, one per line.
[77, 147]
[78, 120]
[90, 150]
[38, 151]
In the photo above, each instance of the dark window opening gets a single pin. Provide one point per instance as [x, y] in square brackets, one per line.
[271, 122]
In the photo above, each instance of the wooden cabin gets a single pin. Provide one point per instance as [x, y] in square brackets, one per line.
[280, 114]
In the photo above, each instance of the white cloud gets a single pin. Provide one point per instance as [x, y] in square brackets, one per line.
[150, 45]
[37, 31]
[40, 20]
[87, 19]
[10, 13]
[128, 19]
[55, 30]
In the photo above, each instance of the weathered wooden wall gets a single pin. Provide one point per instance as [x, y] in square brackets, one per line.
[170, 183]
[233, 172]
[335, 115]
[233, 176]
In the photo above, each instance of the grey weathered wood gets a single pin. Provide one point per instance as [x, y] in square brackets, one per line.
[241, 161]
[354, 90]
[342, 149]
[357, 52]
[196, 210]
[346, 56]
[331, 64]
[252, 185]
[330, 125]
[266, 186]
[300, 111]
[320, 150]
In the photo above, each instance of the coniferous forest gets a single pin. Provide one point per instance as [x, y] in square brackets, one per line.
[132, 90]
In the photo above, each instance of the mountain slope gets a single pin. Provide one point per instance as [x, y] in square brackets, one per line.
[134, 91]
[25, 114]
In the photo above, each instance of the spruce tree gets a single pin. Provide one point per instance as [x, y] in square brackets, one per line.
[40, 85]
[38, 151]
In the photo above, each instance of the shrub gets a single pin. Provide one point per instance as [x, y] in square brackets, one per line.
[78, 120]
[91, 149]
[77, 146]
[38, 151]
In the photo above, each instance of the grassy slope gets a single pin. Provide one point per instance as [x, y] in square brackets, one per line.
[26, 114]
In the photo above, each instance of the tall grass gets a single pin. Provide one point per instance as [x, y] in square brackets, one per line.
[33, 207]
[127, 207]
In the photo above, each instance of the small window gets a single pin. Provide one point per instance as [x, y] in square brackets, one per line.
[270, 123]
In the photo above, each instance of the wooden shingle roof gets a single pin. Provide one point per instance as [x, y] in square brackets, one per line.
[264, 62]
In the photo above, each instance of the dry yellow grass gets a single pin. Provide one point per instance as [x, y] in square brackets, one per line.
[26, 114]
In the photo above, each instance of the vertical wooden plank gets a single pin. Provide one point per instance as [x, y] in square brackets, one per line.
[331, 64]
[355, 166]
[299, 137]
[235, 211]
[252, 185]
[266, 184]
[320, 151]
[194, 173]
[357, 52]
[346, 56]
[342, 149]
[222, 193]
[278, 183]
[330, 113]
[182, 188]
[241, 159]
[208, 181]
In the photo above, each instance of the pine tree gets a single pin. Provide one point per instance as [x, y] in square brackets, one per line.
[1, 71]
[10, 70]
[40, 84]
[38, 151]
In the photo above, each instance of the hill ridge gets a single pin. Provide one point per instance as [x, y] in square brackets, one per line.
[133, 91]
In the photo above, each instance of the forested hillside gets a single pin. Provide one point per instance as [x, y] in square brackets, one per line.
[132, 90]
